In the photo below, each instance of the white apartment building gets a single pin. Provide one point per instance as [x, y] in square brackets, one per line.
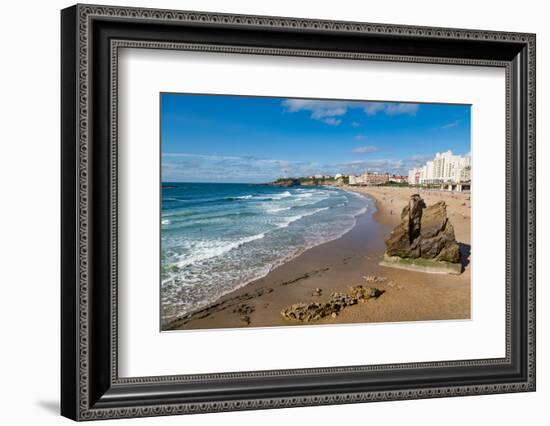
[414, 176]
[429, 169]
[446, 167]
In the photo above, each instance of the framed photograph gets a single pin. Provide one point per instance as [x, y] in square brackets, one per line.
[263, 212]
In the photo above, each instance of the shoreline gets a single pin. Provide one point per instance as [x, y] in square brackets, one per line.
[336, 265]
[370, 203]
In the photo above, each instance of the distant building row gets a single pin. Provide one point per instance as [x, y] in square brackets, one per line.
[375, 178]
[446, 169]
[338, 175]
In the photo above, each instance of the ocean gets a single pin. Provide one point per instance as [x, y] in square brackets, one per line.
[218, 237]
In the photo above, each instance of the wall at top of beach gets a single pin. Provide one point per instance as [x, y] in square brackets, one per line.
[29, 218]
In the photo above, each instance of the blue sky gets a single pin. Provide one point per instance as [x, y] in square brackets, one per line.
[219, 138]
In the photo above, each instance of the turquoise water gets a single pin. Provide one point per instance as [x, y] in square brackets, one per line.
[218, 237]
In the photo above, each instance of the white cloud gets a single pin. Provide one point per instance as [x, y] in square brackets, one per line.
[331, 121]
[183, 167]
[318, 109]
[327, 111]
[451, 124]
[368, 149]
[189, 167]
[372, 108]
[397, 109]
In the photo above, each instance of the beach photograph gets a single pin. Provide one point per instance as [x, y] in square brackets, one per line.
[279, 212]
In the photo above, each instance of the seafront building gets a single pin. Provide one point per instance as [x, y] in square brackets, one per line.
[398, 179]
[446, 170]
[375, 178]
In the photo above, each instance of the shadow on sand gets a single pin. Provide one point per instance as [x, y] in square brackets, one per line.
[465, 250]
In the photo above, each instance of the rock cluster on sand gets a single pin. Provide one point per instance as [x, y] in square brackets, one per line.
[425, 232]
[314, 311]
[375, 279]
[361, 293]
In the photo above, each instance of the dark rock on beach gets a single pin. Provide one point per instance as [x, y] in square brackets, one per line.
[424, 233]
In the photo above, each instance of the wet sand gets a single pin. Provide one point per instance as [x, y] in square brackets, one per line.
[339, 264]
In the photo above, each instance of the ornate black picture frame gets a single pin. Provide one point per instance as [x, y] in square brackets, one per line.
[91, 387]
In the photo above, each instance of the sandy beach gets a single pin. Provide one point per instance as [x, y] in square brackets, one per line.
[344, 262]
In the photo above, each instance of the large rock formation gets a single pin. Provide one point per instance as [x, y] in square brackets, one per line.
[424, 233]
